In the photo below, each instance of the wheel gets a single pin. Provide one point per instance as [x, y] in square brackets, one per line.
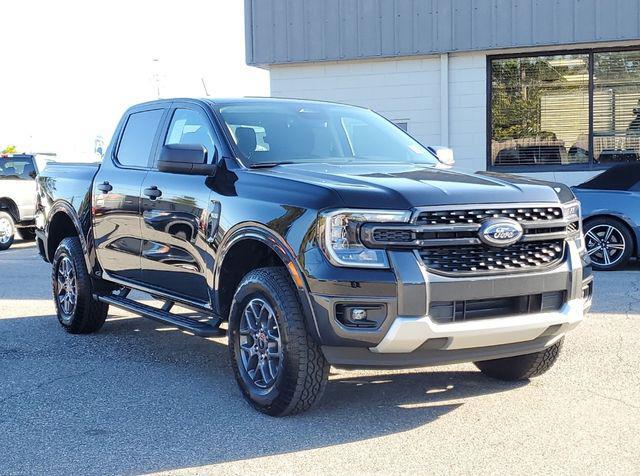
[7, 231]
[521, 367]
[77, 311]
[608, 243]
[280, 369]
[28, 234]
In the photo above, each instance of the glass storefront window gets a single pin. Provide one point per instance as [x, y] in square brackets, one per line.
[543, 107]
[616, 107]
[540, 110]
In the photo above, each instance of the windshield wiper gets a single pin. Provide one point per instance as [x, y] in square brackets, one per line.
[266, 165]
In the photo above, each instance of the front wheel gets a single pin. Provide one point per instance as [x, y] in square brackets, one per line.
[7, 231]
[278, 366]
[521, 367]
[77, 311]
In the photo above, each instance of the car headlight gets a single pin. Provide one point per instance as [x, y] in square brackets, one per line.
[573, 215]
[339, 236]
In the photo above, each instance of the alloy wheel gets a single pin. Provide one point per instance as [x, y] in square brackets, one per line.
[66, 289]
[605, 245]
[260, 343]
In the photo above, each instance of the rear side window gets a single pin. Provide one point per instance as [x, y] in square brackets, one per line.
[137, 138]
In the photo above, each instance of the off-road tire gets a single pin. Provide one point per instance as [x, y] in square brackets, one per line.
[88, 314]
[304, 372]
[28, 234]
[521, 367]
[7, 244]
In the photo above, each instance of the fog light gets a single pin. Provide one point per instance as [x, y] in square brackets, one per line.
[358, 314]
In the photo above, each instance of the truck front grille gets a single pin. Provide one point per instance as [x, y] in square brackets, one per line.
[478, 215]
[453, 311]
[477, 259]
[448, 242]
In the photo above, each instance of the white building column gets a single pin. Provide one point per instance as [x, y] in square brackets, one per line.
[444, 99]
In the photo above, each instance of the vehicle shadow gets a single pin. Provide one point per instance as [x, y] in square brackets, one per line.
[139, 398]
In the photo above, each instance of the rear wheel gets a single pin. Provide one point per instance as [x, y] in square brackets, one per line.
[278, 366]
[77, 311]
[28, 234]
[609, 243]
[7, 231]
[521, 367]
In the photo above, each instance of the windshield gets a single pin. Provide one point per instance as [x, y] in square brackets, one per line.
[275, 132]
[21, 168]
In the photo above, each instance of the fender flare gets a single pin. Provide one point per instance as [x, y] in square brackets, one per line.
[68, 210]
[259, 232]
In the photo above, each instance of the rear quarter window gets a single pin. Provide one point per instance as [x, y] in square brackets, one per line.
[137, 138]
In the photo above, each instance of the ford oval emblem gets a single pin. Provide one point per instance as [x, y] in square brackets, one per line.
[500, 232]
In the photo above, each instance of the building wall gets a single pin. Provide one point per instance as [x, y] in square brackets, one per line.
[441, 107]
[404, 90]
[295, 31]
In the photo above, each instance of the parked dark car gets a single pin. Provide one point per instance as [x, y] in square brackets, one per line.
[323, 234]
[611, 215]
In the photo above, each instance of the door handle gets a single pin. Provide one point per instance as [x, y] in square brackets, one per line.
[152, 192]
[105, 187]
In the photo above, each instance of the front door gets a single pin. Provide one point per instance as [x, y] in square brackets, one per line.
[175, 253]
[116, 196]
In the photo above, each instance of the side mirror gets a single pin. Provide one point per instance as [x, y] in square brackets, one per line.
[444, 154]
[187, 159]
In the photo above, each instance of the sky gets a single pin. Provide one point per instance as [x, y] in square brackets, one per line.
[70, 69]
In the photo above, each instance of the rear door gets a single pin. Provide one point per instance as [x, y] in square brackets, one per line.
[175, 253]
[116, 194]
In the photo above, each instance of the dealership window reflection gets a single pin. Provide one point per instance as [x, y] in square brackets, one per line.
[541, 116]
[540, 110]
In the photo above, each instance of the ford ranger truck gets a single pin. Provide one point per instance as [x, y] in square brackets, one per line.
[313, 234]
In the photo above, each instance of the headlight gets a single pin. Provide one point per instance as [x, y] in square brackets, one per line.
[339, 236]
[573, 215]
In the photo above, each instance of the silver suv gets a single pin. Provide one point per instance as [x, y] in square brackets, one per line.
[17, 196]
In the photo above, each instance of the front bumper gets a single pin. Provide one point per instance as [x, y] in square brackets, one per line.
[409, 336]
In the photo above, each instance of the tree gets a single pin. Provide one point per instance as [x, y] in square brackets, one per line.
[10, 149]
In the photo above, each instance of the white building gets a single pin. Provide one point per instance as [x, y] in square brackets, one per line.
[549, 88]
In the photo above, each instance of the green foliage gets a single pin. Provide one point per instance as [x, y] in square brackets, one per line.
[518, 86]
[10, 149]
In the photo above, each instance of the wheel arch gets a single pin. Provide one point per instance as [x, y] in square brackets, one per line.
[11, 207]
[263, 246]
[63, 222]
[623, 221]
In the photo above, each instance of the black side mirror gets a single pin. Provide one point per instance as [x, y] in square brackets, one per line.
[187, 159]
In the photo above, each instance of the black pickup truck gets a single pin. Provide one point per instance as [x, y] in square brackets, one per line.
[313, 234]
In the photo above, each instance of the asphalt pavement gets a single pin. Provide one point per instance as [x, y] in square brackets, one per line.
[139, 397]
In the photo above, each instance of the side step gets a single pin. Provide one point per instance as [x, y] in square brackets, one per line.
[203, 329]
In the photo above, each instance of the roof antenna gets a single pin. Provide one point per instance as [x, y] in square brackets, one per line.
[204, 85]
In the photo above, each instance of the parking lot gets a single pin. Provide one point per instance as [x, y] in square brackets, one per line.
[138, 397]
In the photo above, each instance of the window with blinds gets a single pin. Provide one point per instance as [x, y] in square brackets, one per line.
[544, 107]
[616, 107]
[540, 110]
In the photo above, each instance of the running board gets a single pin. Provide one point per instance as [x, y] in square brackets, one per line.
[209, 328]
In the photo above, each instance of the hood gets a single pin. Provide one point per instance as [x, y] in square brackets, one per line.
[403, 186]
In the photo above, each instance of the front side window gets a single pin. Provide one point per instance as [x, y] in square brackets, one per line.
[278, 131]
[17, 168]
[190, 127]
[137, 139]
[580, 110]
